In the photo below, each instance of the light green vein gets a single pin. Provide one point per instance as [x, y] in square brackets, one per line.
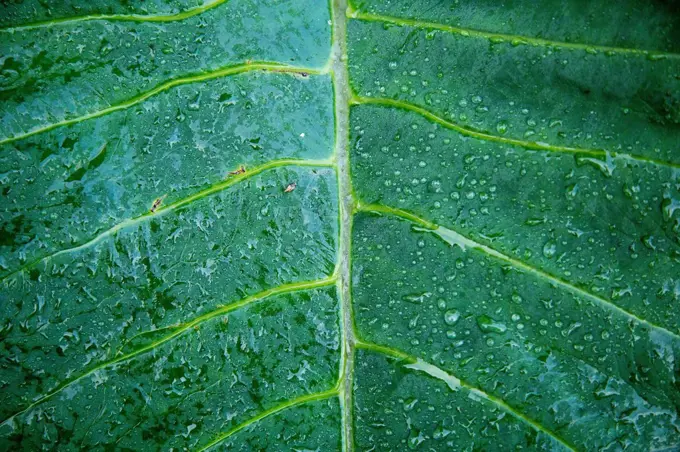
[532, 145]
[341, 100]
[220, 186]
[454, 238]
[455, 383]
[178, 330]
[284, 406]
[118, 18]
[222, 72]
[510, 38]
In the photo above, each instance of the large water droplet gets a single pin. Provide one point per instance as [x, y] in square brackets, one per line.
[489, 325]
[451, 317]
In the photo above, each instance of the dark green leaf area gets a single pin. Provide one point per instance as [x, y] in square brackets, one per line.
[55, 73]
[400, 409]
[625, 24]
[63, 187]
[205, 383]
[308, 427]
[619, 103]
[72, 312]
[574, 367]
[563, 214]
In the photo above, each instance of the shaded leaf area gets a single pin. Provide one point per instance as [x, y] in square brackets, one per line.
[617, 236]
[208, 381]
[55, 73]
[77, 310]
[63, 187]
[308, 427]
[29, 11]
[591, 376]
[651, 25]
[398, 408]
[617, 103]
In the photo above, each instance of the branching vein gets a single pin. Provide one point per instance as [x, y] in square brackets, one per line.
[118, 18]
[510, 38]
[220, 186]
[284, 406]
[454, 383]
[455, 238]
[201, 77]
[485, 136]
[177, 330]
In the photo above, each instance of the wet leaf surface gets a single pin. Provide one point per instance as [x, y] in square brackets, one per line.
[270, 225]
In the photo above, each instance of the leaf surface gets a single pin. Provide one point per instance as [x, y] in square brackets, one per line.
[268, 225]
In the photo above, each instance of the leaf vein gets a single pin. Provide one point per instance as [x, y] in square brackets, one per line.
[455, 238]
[178, 331]
[485, 136]
[510, 38]
[164, 86]
[218, 187]
[118, 18]
[284, 406]
[414, 363]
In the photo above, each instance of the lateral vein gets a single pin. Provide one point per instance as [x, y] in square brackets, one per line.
[178, 330]
[201, 77]
[284, 406]
[220, 186]
[511, 38]
[455, 383]
[531, 145]
[118, 18]
[455, 238]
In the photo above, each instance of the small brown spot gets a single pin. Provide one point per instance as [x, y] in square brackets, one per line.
[241, 170]
[157, 203]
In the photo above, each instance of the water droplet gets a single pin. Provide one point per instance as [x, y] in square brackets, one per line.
[489, 325]
[549, 249]
[451, 317]
[417, 298]
[502, 127]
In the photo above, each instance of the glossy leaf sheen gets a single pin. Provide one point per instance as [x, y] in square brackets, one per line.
[271, 225]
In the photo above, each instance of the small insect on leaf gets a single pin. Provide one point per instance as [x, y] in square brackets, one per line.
[157, 203]
[241, 170]
[290, 187]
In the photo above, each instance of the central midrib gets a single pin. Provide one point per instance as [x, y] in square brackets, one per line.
[342, 97]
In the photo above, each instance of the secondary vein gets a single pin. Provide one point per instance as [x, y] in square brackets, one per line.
[284, 406]
[215, 188]
[511, 38]
[118, 18]
[455, 238]
[454, 383]
[177, 330]
[201, 77]
[485, 136]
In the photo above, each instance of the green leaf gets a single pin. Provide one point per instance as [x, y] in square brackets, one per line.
[270, 225]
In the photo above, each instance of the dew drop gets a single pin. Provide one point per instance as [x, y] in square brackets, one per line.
[451, 317]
